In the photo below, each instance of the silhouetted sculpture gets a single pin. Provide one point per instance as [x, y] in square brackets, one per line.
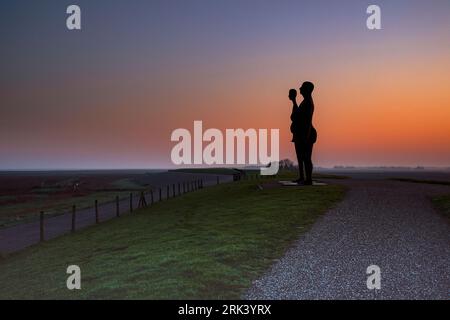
[303, 131]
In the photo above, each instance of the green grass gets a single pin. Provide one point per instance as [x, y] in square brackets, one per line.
[208, 244]
[445, 183]
[442, 203]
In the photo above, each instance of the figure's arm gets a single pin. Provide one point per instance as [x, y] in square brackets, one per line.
[293, 97]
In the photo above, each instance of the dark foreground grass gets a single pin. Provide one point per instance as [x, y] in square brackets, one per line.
[209, 244]
[442, 203]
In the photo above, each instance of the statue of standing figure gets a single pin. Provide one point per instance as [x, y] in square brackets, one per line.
[304, 135]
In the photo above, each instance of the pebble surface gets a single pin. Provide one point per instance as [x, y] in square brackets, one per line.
[385, 223]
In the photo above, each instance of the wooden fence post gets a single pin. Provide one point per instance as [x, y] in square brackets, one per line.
[74, 211]
[179, 189]
[41, 226]
[173, 190]
[117, 207]
[160, 195]
[131, 202]
[151, 196]
[97, 219]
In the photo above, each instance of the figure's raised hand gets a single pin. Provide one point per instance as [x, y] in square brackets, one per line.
[292, 94]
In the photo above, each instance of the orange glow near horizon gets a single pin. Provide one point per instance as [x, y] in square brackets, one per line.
[382, 98]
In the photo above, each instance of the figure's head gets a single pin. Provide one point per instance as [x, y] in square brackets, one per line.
[307, 88]
[292, 94]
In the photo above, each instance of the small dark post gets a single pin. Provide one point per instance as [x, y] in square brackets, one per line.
[131, 202]
[184, 187]
[97, 219]
[41, 226]
[74, 211]
[117, 207]
[179, 189]
[173, 190]
[160, 194]
[144, 201]
[168, 190]
[151, 196]
[201, 184]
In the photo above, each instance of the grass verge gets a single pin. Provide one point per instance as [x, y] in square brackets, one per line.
[208, 244]
[442, 203]
[439, 182]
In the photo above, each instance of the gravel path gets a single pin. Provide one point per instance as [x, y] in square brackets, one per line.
[386, 223]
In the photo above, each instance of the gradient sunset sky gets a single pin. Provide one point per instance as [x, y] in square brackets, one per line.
[110, 95]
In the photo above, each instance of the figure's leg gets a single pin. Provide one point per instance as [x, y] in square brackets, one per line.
[308, 162]
[298, 151]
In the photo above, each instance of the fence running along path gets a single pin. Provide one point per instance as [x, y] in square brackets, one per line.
[20, 236]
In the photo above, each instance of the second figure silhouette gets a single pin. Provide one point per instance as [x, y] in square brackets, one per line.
[304, 135]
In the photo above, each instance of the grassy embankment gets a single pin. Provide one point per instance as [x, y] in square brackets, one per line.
[208, 244]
